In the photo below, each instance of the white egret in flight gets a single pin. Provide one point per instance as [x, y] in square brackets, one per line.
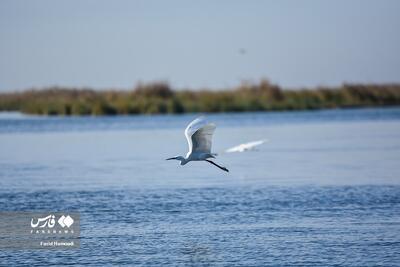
[199, 137]
[246, 146]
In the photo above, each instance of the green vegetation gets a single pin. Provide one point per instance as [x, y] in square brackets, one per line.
[158, 98]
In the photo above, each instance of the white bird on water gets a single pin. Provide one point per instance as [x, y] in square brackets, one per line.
[199, 137]
[246, 146]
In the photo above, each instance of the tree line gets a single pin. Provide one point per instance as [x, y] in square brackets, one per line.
[160, 98]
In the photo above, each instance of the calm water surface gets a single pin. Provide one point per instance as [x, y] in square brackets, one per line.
[324, 191]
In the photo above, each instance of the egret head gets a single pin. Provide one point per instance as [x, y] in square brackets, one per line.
[180, 158]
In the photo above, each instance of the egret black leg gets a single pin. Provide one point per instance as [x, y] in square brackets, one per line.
[215, 164]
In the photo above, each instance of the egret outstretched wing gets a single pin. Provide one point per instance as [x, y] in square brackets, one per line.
[199, 135]
[245, 147]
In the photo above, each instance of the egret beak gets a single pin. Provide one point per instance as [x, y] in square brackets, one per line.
[170, 158]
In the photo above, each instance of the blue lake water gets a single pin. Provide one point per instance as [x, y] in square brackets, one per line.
[324, 191]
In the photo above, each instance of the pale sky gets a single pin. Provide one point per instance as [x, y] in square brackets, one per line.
[216, 44]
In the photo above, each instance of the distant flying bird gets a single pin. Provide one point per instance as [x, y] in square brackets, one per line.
[246, 146]
[242, 51]
[199, 136]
